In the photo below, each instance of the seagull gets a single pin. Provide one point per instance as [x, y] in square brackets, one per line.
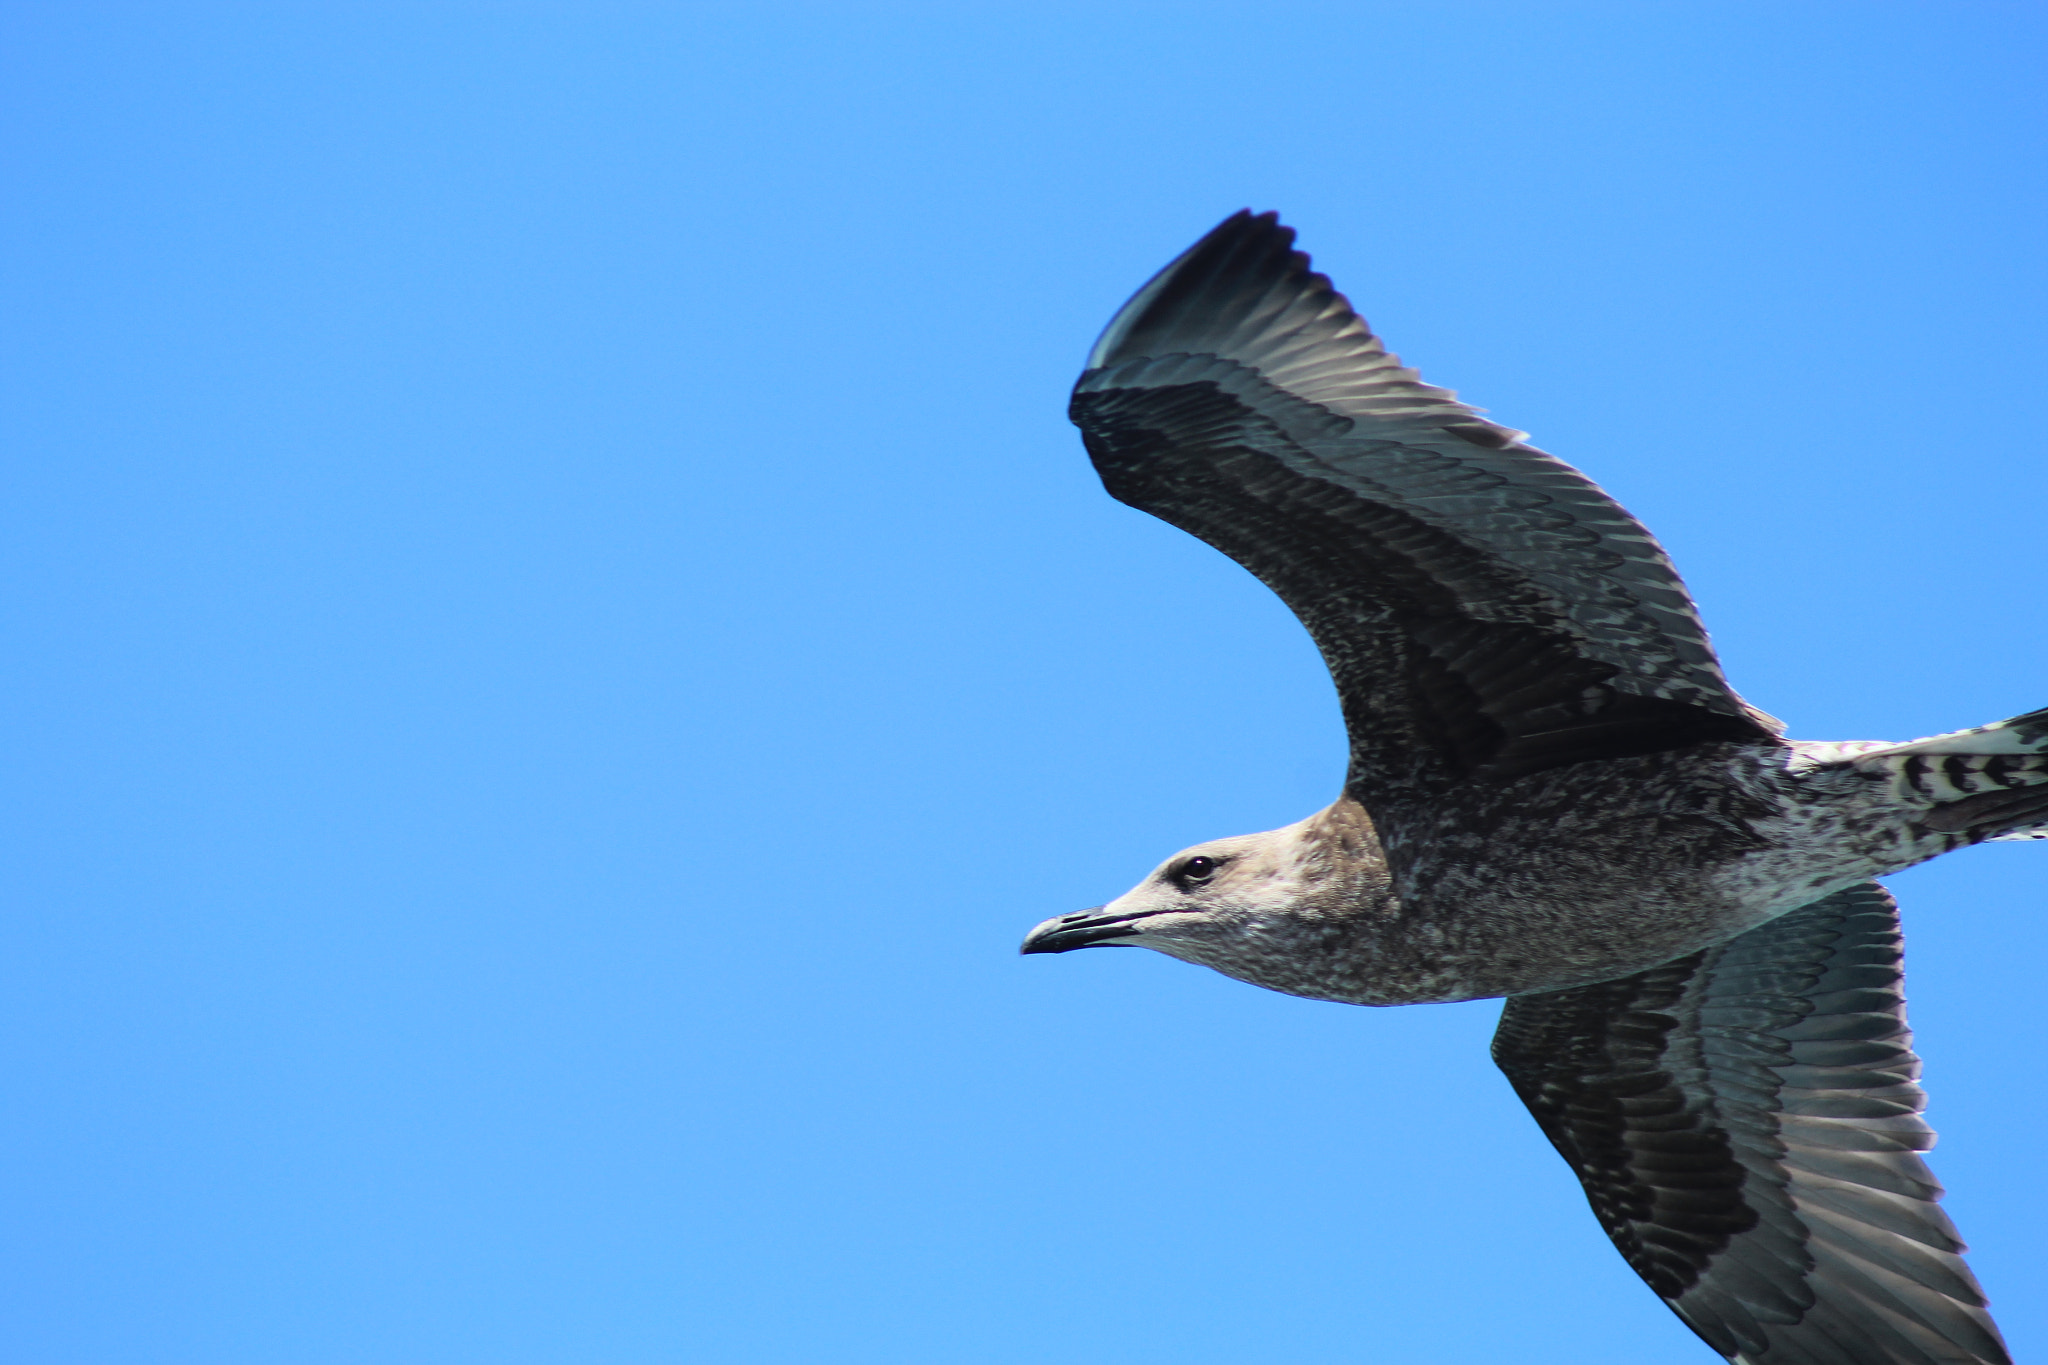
[1555, 796]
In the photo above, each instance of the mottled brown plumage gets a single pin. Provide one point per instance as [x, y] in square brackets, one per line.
[1555, 796]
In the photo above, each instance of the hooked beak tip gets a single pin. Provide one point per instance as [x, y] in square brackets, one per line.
[1083, 929]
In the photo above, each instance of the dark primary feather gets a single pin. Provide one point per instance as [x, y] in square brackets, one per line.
[1747, 1128]
[1484, 608]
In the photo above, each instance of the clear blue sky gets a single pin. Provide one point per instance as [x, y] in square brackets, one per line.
[559, 636]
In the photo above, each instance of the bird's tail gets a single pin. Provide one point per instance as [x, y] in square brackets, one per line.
[1990, 782]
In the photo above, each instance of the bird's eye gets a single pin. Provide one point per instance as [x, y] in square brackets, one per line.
[1196, 869]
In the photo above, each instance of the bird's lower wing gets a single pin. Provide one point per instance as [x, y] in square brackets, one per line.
[1747, 1127]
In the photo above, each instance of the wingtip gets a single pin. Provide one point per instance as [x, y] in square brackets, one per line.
[1246, 222]
[1244, 230]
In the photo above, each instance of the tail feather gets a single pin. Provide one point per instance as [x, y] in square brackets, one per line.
[2026, 734]
[1991, 782]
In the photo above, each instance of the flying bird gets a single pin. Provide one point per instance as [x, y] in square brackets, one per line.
[1555, 796]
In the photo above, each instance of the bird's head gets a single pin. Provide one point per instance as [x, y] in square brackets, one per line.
[1248, 907]
[1196, 894]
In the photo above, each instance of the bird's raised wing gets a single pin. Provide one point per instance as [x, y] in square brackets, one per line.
[1484, 608]
[1747, 1128]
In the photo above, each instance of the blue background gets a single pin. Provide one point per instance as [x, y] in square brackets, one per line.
[560, 636]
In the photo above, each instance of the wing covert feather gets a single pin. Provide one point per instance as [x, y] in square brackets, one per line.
[1484, 607]
[1746, 1124]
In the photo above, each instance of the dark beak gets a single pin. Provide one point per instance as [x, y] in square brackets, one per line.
[1086, 929]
